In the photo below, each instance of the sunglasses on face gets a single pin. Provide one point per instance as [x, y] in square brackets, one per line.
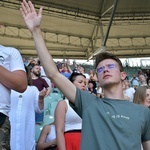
[108, 66]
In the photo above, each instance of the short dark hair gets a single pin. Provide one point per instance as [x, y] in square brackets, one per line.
[31, 67]
[74, 75]
[107, 55]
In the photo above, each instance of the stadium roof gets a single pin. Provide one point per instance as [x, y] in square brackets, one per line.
[79, 29]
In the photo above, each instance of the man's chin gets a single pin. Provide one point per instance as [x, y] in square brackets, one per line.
[106, 84]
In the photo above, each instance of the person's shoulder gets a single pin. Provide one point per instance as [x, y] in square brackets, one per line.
[139, 107]
[62, 102]
[10, 49]
[32, 87]
[61, 106]
[41, 79]
[32, 90]
[144, 111]
[86, 92]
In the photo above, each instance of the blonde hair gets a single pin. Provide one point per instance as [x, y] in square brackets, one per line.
[140, 94]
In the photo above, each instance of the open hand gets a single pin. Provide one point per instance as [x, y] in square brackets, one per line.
[31, 18]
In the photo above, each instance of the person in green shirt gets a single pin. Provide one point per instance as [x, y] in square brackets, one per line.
[108, 123]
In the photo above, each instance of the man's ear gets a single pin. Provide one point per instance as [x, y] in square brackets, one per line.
[123, 75]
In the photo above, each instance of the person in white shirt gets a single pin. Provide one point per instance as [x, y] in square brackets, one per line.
[128, 91]
[68, 122]
[12, 76]
[22, 115]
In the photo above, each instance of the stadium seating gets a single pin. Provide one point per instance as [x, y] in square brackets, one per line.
[52, 107]
[38, 129]
[56, 90]
[48, 119]
[50, 104]
[55, 96]
[47, 102]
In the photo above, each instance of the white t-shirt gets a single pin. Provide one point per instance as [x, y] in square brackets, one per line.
[87, 75]
[130, 93]
[72, 119]
[10, 59]
[52, 135]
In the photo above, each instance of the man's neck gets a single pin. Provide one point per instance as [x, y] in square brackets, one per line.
[114, 92]
[34, 77]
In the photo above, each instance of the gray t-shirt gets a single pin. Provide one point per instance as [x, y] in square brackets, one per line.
[111, 124]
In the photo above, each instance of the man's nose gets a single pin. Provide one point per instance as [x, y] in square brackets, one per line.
[105, 69]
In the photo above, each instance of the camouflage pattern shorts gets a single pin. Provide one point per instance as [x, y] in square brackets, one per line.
[5, 135]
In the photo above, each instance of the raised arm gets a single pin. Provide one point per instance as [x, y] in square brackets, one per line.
[32, 20]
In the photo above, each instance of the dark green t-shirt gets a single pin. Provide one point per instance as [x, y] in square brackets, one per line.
[110, 124]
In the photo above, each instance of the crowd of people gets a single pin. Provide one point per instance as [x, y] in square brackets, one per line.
[139, 78]
[101, 110]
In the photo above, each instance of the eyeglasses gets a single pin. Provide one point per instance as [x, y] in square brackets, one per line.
[109, 66]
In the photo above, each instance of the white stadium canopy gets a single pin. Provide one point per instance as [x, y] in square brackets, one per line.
[79, 29]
